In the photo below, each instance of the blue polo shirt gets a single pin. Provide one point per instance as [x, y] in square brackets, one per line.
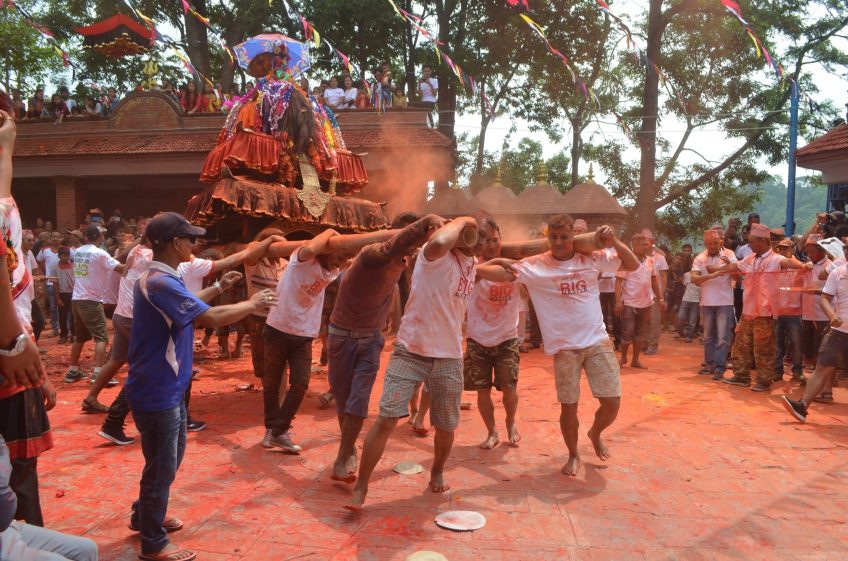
[162, 342]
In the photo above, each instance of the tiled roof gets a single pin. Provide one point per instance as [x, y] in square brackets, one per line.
[495, 199]
[836, 139]
[541, 198]
[88, 144]
[361, 138]
[591, 198]
[451, 202]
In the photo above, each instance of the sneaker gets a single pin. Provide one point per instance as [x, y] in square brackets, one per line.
[284, 441]
[74, 376]
[737, 381]
[761, 387]
[115, 435]
[195, 426]
[266, 441]
[718, 375]
[111, 383]
[796, 408]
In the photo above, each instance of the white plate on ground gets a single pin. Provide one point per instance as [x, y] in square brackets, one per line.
[408, 468]
[426, 556]
[461, 520]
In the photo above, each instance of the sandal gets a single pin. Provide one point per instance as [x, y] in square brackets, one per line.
[176, 555]
[170, 524]
[95, 407]
[824, 397]
[326, 399]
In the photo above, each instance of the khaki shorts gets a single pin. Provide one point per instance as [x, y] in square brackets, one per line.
[602, 372]
[89, 321]
[484, 367]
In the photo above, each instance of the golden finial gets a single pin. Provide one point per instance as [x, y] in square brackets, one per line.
[499, 174]
[149, 69]
[591, 174]
[542, 173]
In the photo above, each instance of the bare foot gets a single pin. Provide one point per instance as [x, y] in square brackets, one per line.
[420, 430]
[571, 466]
[490, 442]
[437, 482]
[514, 437]
[351, 463]
[340, 473]
[412, 415]
[600, 448]
[637, 364]
[623, 361]
[357, 499]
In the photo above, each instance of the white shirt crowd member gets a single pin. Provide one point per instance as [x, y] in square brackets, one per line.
[432, 321]
[493, 312]
[194, 271]
[810, 308]
[301, 294]
[334, 96]
[564, 293]
[837, 286]
[717, 291]
[92, 266]
[636, 287]
[138, 263]
[50, 259]
[428, 90]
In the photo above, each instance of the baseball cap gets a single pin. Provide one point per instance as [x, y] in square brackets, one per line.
[92, 232]
[166, 226]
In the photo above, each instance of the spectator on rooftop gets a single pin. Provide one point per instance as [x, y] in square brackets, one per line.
[381, 89]
[191, 100]
[92, 107]
[168, 88]
[35, 106]
[212, 100]
[398, 99]
[334, 96]
[111, 101]
[19, 110]
[65, 95]
[350, 93]
[428, 88]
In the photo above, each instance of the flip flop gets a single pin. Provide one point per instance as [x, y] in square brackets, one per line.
[96, 408]
[170, 524]
[326, 399]
[176, 555]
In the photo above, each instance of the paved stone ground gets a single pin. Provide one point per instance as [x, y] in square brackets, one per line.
[700, 471]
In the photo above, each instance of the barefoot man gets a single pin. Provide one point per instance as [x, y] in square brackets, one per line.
[492, 341]
[354, 340]
[563, 284]
[634, 298]
[428, 349]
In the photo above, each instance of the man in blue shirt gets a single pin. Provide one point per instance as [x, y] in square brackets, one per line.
[160, 364]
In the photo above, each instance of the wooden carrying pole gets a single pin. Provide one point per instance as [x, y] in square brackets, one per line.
[349, 244]
[522, 249]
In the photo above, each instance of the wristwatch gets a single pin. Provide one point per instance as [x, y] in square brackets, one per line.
[16, 347]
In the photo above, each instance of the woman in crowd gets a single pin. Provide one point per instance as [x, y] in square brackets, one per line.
[35, 107]
[350, 93]
[56, 109]
[92, 107]
[334, 96]
[213, 99]
[191, 100]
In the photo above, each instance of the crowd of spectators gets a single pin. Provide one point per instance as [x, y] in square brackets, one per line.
[338, 92]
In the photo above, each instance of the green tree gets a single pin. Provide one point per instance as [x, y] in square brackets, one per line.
[26, 57]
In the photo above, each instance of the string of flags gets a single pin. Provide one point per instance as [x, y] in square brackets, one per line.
[48, 36]
[188, 9]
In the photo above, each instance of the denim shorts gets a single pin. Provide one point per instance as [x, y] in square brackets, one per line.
[352, 365]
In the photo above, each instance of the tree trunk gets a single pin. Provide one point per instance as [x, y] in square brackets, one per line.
[646, 199]
[197, 41]
[232, 36]
[576, 149]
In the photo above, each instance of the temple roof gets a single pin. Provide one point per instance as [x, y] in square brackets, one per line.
[495, 199]
[829, 144]
[91, 144]
[451, 202]
[591, 198]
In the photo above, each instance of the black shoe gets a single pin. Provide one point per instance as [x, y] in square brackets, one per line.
[737, 381]
[115, 435]
[74, 376]
[718, 375]
[705, 370]
[195, 426]
[796, 408]
[761, 387]
[777, 377]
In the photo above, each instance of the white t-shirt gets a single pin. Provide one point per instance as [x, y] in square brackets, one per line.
[717, 291]
[810, 306]
[693, 291]
[301, 294]
[607, 281]
[31, 262]
[566, 298]
[112, 285]
[23, 287]
[50, 259]
[138, 263]
[350, 97]
[743, 251]
[636, 288]
[493, 312]
[92, 266]
[428, 91]
[837, 286]
[432, 321]
[334, 96]
[193, 272]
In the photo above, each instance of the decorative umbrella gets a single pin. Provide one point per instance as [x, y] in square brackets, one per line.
[117, 36]
[257, 55]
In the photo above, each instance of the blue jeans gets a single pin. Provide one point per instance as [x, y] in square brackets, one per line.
[788, 330]
[54, 309]
[163, 443]
[718, 327]
[687, 319]
[354, 360]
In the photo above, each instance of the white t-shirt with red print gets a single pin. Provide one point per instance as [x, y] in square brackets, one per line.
[301, 295]
[138, 263]
[493, 312]
[432, 320]
[566, 297]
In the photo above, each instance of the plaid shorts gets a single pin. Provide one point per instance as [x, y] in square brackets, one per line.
[443, 377]
[602, 372]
